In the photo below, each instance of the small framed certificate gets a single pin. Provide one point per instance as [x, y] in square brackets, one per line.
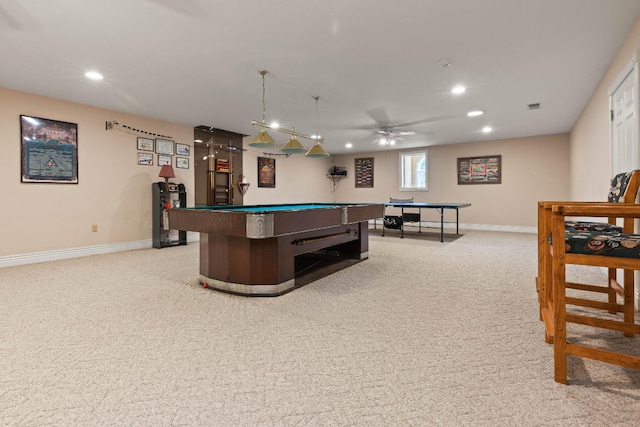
[164, 146]
[145, 144]
[164, 160]
[183, 149]
[182, 162]
[145, 159]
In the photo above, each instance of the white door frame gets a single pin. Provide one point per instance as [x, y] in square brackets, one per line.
[630, 68]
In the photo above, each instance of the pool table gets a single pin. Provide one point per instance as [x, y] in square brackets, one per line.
[268, 250]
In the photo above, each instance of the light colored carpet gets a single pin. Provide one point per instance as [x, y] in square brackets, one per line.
[422, 333]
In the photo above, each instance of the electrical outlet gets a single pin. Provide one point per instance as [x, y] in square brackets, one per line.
[94, 228]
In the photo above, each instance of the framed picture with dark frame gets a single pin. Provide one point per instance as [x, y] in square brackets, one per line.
[164, 146]
[364, 172]
[145, 159]
[266, 172]
[49, 150]
[145, 144]
[182, 162]
[164, 160]
[183, 149]
[480, 170]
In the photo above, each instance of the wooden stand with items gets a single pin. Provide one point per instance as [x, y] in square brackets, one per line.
[176, 197]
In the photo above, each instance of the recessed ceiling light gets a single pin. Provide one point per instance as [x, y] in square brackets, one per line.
[475, 113]
[349, 145]
[458, 90]
[93, 75]
[487, 129]
[274, 125]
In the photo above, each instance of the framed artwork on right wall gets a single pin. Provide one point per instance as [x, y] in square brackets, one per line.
[480, 170]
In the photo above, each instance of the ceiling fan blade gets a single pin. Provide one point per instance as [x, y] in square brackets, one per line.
[184, 7]
[379, 115]
[14, 16]
[9, 20]
[427, 120]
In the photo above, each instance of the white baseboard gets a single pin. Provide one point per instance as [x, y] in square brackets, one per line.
[32, 258]
[489, 227]
[35, 257]
[464, 226]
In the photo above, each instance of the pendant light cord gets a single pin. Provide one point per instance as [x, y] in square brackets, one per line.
[264, 108]
[317, 128]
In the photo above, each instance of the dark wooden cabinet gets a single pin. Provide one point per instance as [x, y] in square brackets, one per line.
[175, 197]
[222, 188]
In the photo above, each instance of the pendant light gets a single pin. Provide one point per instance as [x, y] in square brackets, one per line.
[263, 139]
[317, 150]
[293, 146]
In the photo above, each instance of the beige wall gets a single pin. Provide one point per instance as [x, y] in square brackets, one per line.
[113, 191]
[590, 161]
[533, 169]
[299, 179]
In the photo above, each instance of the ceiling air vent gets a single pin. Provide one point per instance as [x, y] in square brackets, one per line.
[535, 106]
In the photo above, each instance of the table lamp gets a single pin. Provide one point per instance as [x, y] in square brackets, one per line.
[166, 172]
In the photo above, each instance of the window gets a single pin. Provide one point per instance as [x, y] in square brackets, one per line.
[414, 171]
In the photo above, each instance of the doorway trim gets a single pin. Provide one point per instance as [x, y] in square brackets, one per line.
[631, 69]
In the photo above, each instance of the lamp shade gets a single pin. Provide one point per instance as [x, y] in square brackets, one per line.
[167, 172]
[293, 146]
[317, 151]
[263, 139]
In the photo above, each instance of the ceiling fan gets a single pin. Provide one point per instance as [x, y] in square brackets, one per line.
[388, 136]
[388, 133]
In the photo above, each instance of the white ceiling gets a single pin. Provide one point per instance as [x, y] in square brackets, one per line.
[196, 62]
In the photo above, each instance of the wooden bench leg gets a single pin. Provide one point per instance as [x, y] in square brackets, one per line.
[628, 314]
[559, 305]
